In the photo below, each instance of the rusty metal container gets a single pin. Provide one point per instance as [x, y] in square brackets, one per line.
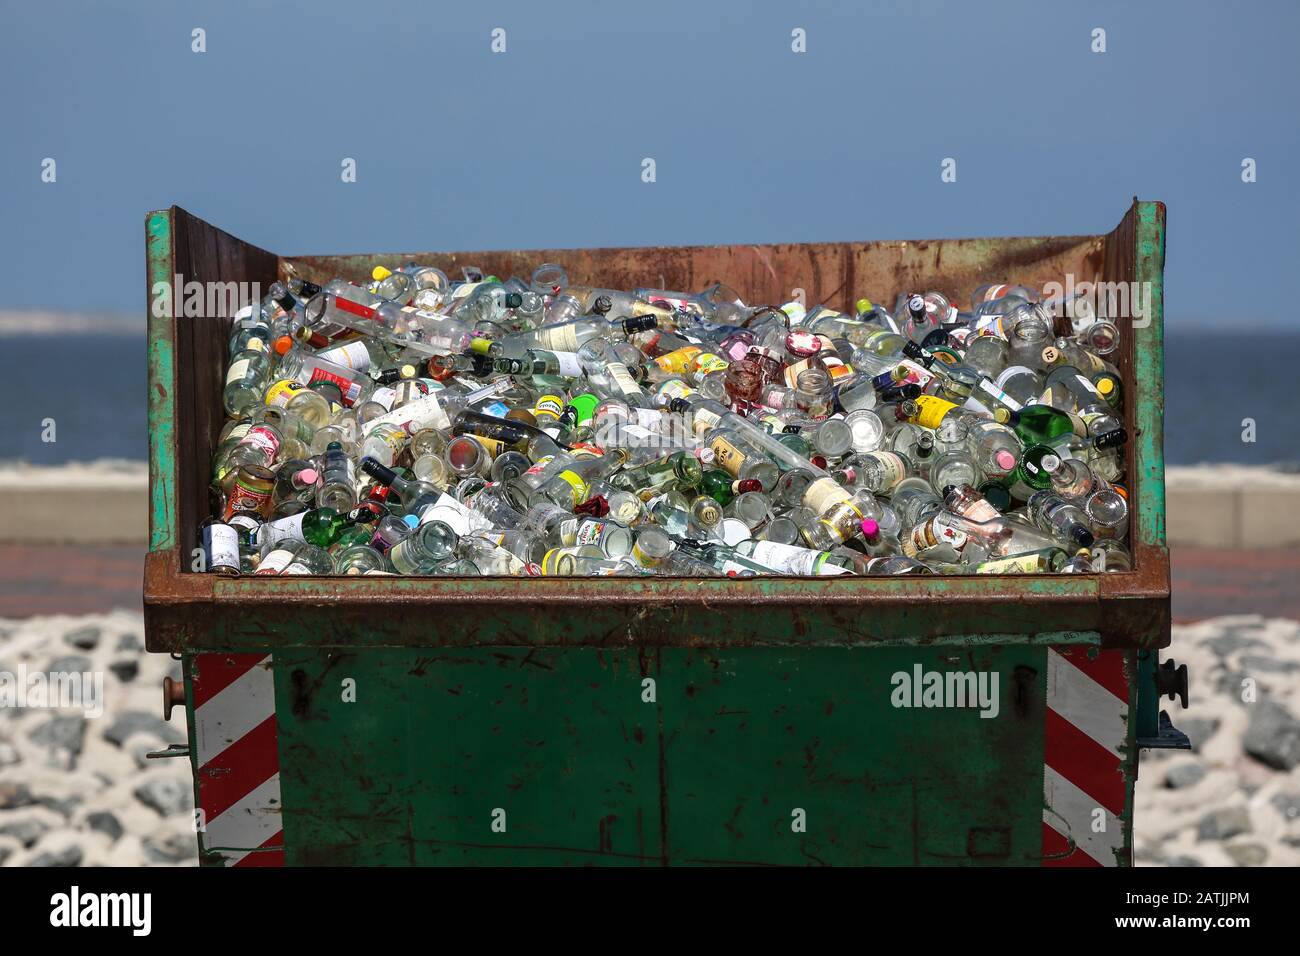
[659, 721]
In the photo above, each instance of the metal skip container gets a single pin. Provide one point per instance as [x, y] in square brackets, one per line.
[660, 721]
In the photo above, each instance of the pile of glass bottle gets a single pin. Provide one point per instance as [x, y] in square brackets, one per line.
[417, 425]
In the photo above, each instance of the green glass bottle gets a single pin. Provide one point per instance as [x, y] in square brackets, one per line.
[358, 534]
[1036, 424]
[1033, 472]
[320, 526]
[681, 468]
[723, 489]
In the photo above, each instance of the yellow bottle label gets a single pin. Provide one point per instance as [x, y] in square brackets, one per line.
[932, 410]
[548, 406]
[577, 483]
[678, 360]
[709, 362]
[493, 446]
[278, 395]
[1018, 564]
[727, 456]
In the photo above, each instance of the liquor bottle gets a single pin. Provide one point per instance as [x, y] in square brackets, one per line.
[918, 317]
[1107, 513]
[296, 480]
[1040, 424]
[412, 493]
[246, 379]
[338, 488]
[723, 488]
[319, 526]
[422, 552]
[568, 336]
[308, 369]
[1031, 473]
[1071, 478]
[540, 362]
[220, 548]
[295, 557]
[1060, 517]
[609, 376]
[569, 487]
[359, 559]
[1042, 561]
[792, 559]
[681, 469]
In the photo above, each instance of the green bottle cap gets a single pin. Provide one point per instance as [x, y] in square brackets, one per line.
[585, 405]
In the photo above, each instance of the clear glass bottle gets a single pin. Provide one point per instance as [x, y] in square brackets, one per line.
[246, 379]
[338, 488]
[424, 550]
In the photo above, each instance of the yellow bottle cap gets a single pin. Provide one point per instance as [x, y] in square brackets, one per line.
[379, 273]
[1105, 386]
[863, 305]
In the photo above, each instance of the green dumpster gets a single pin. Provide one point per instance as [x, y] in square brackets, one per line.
[987, 720]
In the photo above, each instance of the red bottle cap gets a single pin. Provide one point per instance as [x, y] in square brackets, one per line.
[1005, 460]
[308, 476]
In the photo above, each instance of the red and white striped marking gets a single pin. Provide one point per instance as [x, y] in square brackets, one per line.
[238, 758]
[1083, 756]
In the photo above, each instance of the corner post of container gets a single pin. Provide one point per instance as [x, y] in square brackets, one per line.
[160, 259]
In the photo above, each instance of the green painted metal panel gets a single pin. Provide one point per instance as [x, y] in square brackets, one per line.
[411, 773]
[159, 254]
[1149, 375]
[754, 735]
[712, 770]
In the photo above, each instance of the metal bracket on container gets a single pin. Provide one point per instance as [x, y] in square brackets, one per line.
[173, 750]
[1169, 737]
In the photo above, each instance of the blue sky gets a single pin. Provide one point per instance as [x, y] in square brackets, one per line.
[460, 148]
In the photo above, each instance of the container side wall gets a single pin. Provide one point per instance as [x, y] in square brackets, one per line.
[213, 275]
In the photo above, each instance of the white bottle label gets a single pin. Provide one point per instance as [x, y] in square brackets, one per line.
[570, 367]
[237, 371]
[626, 383]
[221, 542]
[424, 412]
[264, 440]
[455, 515]
[559, 338]
[986, 385]
[282, 529]
[247, 522]
[353, 355]
[824, 493]
[275, 562]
